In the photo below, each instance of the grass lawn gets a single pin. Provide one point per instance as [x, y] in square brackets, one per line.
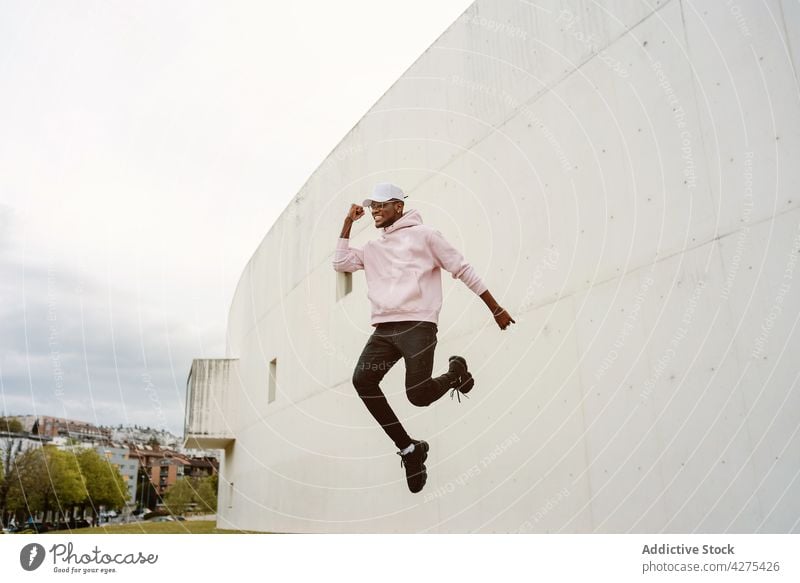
[184, 527]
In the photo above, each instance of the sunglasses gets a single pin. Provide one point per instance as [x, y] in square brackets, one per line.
[379, 206]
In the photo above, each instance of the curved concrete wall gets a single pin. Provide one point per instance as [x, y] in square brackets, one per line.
[623, 178]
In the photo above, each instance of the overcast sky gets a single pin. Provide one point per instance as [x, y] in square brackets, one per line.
[145, 150]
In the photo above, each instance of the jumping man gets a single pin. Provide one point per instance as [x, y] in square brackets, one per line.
[404, 286]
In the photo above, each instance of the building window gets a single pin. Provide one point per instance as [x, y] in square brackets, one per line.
[273, 380]
[344, 284]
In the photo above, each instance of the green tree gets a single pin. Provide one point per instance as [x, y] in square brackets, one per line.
[198, 493]
[44, 479]
[179, 496]
[10, 449]
[103, 483]
[207, 494]
[11, 425]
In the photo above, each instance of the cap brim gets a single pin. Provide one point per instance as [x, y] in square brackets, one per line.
[367, 201]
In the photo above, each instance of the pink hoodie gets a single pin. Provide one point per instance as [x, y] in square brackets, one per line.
[403, 270]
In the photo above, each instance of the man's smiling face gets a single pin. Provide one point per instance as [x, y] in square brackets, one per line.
[386, 213]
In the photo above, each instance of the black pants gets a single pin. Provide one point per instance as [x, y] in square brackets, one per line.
[415, 342]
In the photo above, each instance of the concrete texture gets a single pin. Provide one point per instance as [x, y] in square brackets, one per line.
[623, 176]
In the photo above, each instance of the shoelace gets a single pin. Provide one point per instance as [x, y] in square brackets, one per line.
[457, 390]
[458, 394]
[403, 464]
[402, 459]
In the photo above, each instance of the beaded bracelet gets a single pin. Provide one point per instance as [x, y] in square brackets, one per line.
[499, 312]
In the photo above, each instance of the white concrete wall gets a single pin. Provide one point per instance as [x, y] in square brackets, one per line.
[624, 178]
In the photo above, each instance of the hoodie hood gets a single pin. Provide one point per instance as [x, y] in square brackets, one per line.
[411, 218]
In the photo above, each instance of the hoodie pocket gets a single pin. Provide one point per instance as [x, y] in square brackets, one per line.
[399, 293]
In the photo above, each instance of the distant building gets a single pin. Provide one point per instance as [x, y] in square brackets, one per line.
[165, 466]
[201, 467]
[60, 427]
[26, 441]
[138, 434]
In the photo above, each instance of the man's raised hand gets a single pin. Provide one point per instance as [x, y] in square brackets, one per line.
[356, 212]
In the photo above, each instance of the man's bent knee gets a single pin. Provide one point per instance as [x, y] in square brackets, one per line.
[364, 383]
[418, 398]
[359, 380]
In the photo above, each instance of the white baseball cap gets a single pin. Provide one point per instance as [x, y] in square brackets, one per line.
[384, 191]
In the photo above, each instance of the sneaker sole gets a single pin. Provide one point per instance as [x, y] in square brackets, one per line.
[467, 385]
[423, 445]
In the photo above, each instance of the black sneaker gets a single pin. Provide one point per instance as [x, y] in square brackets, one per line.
[463, 381]
[414, 462]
